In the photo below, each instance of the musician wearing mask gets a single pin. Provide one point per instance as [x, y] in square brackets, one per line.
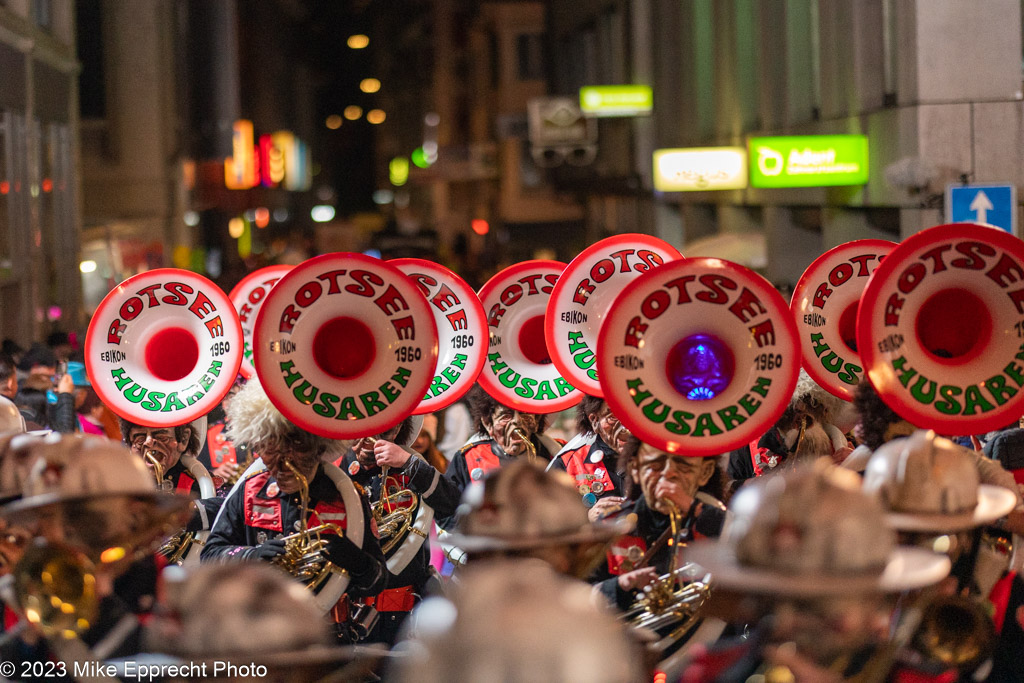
[662, 484]
[403, 523]
[169, 450]
[591, 457]
[267, 506]
[170, 454]
[503, 435]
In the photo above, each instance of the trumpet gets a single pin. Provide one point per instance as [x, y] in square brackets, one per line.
[531, 450]
[304, 554]
[393, 522]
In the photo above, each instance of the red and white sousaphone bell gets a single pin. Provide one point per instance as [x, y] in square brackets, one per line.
[824, 306]
[163, 347]
[519, 372]
[583, 295]
[698, 356]
[345, 345]
[461, 331]
[940, 329]
[248, 297]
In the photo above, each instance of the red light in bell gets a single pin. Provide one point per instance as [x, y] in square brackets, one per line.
[480, 226]
[5, 187]
[47, 185]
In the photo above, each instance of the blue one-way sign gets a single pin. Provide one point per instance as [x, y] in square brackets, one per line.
[992, 204]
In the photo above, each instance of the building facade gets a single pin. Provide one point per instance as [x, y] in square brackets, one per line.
[935, 85]
[40, 287]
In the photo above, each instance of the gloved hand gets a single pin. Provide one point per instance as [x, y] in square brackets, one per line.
[267, 550]
[345, 554]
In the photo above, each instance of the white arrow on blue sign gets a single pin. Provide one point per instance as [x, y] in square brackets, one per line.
[995, 205]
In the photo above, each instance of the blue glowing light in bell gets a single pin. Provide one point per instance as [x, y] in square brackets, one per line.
[700, 394]
[700, 367]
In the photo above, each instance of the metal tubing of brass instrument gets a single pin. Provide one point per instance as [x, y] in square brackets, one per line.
[530, 448]
[158, 469]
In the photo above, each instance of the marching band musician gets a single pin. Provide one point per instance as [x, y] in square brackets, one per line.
[219, 454]
[658, 482]
[834, 415]
[522, 511]
[90, 495]
[174, 449]
[503, 434]
[931, 489]
[167, 445]
[408, 572]
[591, 456]
[266, 506]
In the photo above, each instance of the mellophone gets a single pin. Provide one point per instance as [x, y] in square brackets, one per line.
[696, 356]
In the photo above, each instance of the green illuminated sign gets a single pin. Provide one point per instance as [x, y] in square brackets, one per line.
[808, 161]
[616, 100]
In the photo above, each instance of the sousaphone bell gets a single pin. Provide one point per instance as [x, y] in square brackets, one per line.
[345, 347]
[162, 350]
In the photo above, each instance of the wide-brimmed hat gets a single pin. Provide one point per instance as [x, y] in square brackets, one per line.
[520, 507]
[928, 483]
[249, 614]
[517, 620]
[811, 532]
[100, 498]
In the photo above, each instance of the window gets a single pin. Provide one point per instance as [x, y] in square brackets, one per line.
[42, 13]
[530, 55]
[91, 87]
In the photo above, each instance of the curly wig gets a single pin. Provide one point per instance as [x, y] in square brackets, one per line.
[589, 404]
[482, 405]
[875, 416]
[810, 399]
[254, 420]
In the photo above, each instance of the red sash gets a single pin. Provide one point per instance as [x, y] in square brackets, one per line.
[481, 457]
[221, 450]
[263, 513]
[578, 465]
[624, 554]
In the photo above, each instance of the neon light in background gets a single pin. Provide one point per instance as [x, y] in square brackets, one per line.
[616, 100]
[808, 160]
[700, 168]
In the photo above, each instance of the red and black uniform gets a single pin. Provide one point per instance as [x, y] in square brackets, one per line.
[257, 511]
[470, 463]
[405, 587]
[758, 457]
[180, 480]
[219, 450]
[652, 531]
[592, 464]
